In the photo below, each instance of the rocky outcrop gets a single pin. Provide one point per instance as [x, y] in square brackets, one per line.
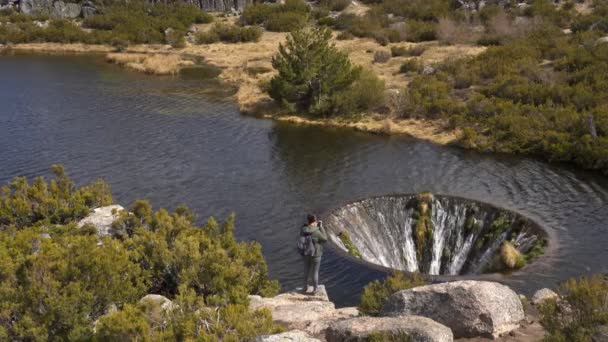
[290, 336]
[56, 9]
[102, 218]
[223, 5]
[309, 313]
[469, 308]
[418, 329]
[64, 10]
[88, 9]
[543, 295]
[35, 7]
[158, 301]
[601, 334]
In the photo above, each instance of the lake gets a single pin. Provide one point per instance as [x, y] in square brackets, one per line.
[179, 141]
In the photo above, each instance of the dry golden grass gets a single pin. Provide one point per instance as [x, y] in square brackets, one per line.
[59, 48]
[156, 64]
[509, 255]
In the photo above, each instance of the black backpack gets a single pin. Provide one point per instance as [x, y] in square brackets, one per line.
[306, 245]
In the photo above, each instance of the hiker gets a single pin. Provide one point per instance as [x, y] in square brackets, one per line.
[310, 245]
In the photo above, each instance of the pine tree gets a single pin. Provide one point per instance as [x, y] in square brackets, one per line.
[311, 73]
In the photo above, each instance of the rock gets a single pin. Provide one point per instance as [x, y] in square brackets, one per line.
[224, 5]
[88, 9]
[543, 295]
[470, 308]
[601, 334]
[102, 219]
[602, 40]
[428, 70]
[290, 336]
[42, 24]
[193, 28]
[34, 7]
[419, 329]
[62, 10]
[309, 313]
[158, 301]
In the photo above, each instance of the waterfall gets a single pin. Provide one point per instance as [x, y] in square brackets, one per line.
[409, 248]
[382, 229]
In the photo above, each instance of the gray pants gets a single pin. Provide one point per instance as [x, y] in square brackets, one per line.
[311, 270]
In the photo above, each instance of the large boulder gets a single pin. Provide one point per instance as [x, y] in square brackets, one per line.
[88, 9]
[309, 313]
[102, 218]
[543, 295]
[64, 10]
[34, 7]
[418, 329]
[290, 336]
[470, 308]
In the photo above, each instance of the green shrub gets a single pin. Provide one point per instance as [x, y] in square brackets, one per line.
[366, 93]
[377, 293]
[348, 243]
[286, 21]
[402, 51]
[229, 33]
[584, 308]
[57, 279]
[310, 72]
[176, 39]
[206, 37]
[421, 31]
[411, 65]
[256, 14]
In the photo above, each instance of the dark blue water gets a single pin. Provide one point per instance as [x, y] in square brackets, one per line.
[177, 141]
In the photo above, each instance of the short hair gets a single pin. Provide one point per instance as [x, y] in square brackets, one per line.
[311, 218]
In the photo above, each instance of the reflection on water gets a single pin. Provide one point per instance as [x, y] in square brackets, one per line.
[175, 140]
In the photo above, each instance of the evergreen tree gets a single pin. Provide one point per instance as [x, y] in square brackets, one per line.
[311, 73]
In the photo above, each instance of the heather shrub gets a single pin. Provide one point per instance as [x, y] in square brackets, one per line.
[402, 51]
[286, 21]
[381, 56]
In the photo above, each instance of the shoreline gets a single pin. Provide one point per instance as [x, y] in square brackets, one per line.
[250, 99]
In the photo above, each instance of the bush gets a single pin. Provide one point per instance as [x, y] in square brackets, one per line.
[366, 93]
[421, 31]
[381, 56]
[411, 65]
[402, 51]
[376, 293]
[176, 39]
[584, 308]
[286, 21]
[314, 77]
[229, 34]
[450, 32]
[345, 36]
[58, 279]
[256, 14]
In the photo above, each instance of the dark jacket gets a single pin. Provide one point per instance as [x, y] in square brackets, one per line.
[319, 236]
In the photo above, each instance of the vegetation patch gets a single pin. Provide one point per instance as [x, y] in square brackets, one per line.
[229, 34]
[348, 243]
[583, 308]
[376, 293]
[58, 279]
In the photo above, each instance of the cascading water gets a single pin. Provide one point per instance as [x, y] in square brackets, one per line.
[435, 234]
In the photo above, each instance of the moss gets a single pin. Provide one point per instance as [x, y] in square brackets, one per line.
[423, 230]
[537, 249]
[348, 243]
[471, 225]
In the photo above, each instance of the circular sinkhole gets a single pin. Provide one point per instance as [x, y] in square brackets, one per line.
[435, 234]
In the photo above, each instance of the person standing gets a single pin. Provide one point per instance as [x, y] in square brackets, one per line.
[310, 245]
